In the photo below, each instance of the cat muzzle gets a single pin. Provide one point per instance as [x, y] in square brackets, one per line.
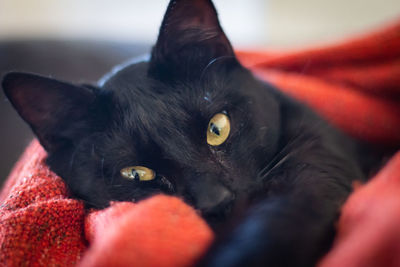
[215, 200]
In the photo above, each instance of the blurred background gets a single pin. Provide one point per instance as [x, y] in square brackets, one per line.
[276, 23]
[79, 40]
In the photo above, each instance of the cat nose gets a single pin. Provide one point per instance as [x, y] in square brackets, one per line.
[214, 199]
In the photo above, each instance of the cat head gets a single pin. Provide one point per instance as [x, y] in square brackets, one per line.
[190, 122]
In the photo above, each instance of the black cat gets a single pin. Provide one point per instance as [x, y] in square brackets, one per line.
[266, 172]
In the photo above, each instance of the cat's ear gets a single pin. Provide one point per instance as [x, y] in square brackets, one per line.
[57, 112]
[190, 37]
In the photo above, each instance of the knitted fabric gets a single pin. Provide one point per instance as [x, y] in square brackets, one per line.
[39, 224]
[355, 85]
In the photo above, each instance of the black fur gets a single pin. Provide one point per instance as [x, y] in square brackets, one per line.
[275, 186]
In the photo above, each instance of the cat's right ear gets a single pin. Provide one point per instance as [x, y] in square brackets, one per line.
[57, 112]
[190, 38]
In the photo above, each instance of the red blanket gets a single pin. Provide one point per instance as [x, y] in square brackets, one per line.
[355, 85]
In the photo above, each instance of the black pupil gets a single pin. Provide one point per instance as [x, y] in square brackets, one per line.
[214, 129]
[135, 174]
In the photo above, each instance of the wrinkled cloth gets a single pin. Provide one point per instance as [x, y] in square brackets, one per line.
[355, 85]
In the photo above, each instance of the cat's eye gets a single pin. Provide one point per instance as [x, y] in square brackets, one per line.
[218, 129]
[138, 173]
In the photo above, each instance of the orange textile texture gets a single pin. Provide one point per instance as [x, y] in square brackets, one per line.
[40, 225]
[369, 232]
[355, 85]
[160, 231]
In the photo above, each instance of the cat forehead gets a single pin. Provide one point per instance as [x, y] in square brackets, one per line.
[153, 111]
[133, 88]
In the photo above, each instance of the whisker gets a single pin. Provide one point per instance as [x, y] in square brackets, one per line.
[90, 203]
[279, 163]
[276, 157]
[71, 162]
[287, 146]
[277, 160]
[113, 173]
[102, 169]
[117, 185]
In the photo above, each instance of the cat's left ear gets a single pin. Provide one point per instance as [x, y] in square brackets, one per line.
[59, 113]
[190, 37]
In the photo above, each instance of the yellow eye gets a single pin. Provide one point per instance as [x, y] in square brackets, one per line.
[218, 129]
[139, 173]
